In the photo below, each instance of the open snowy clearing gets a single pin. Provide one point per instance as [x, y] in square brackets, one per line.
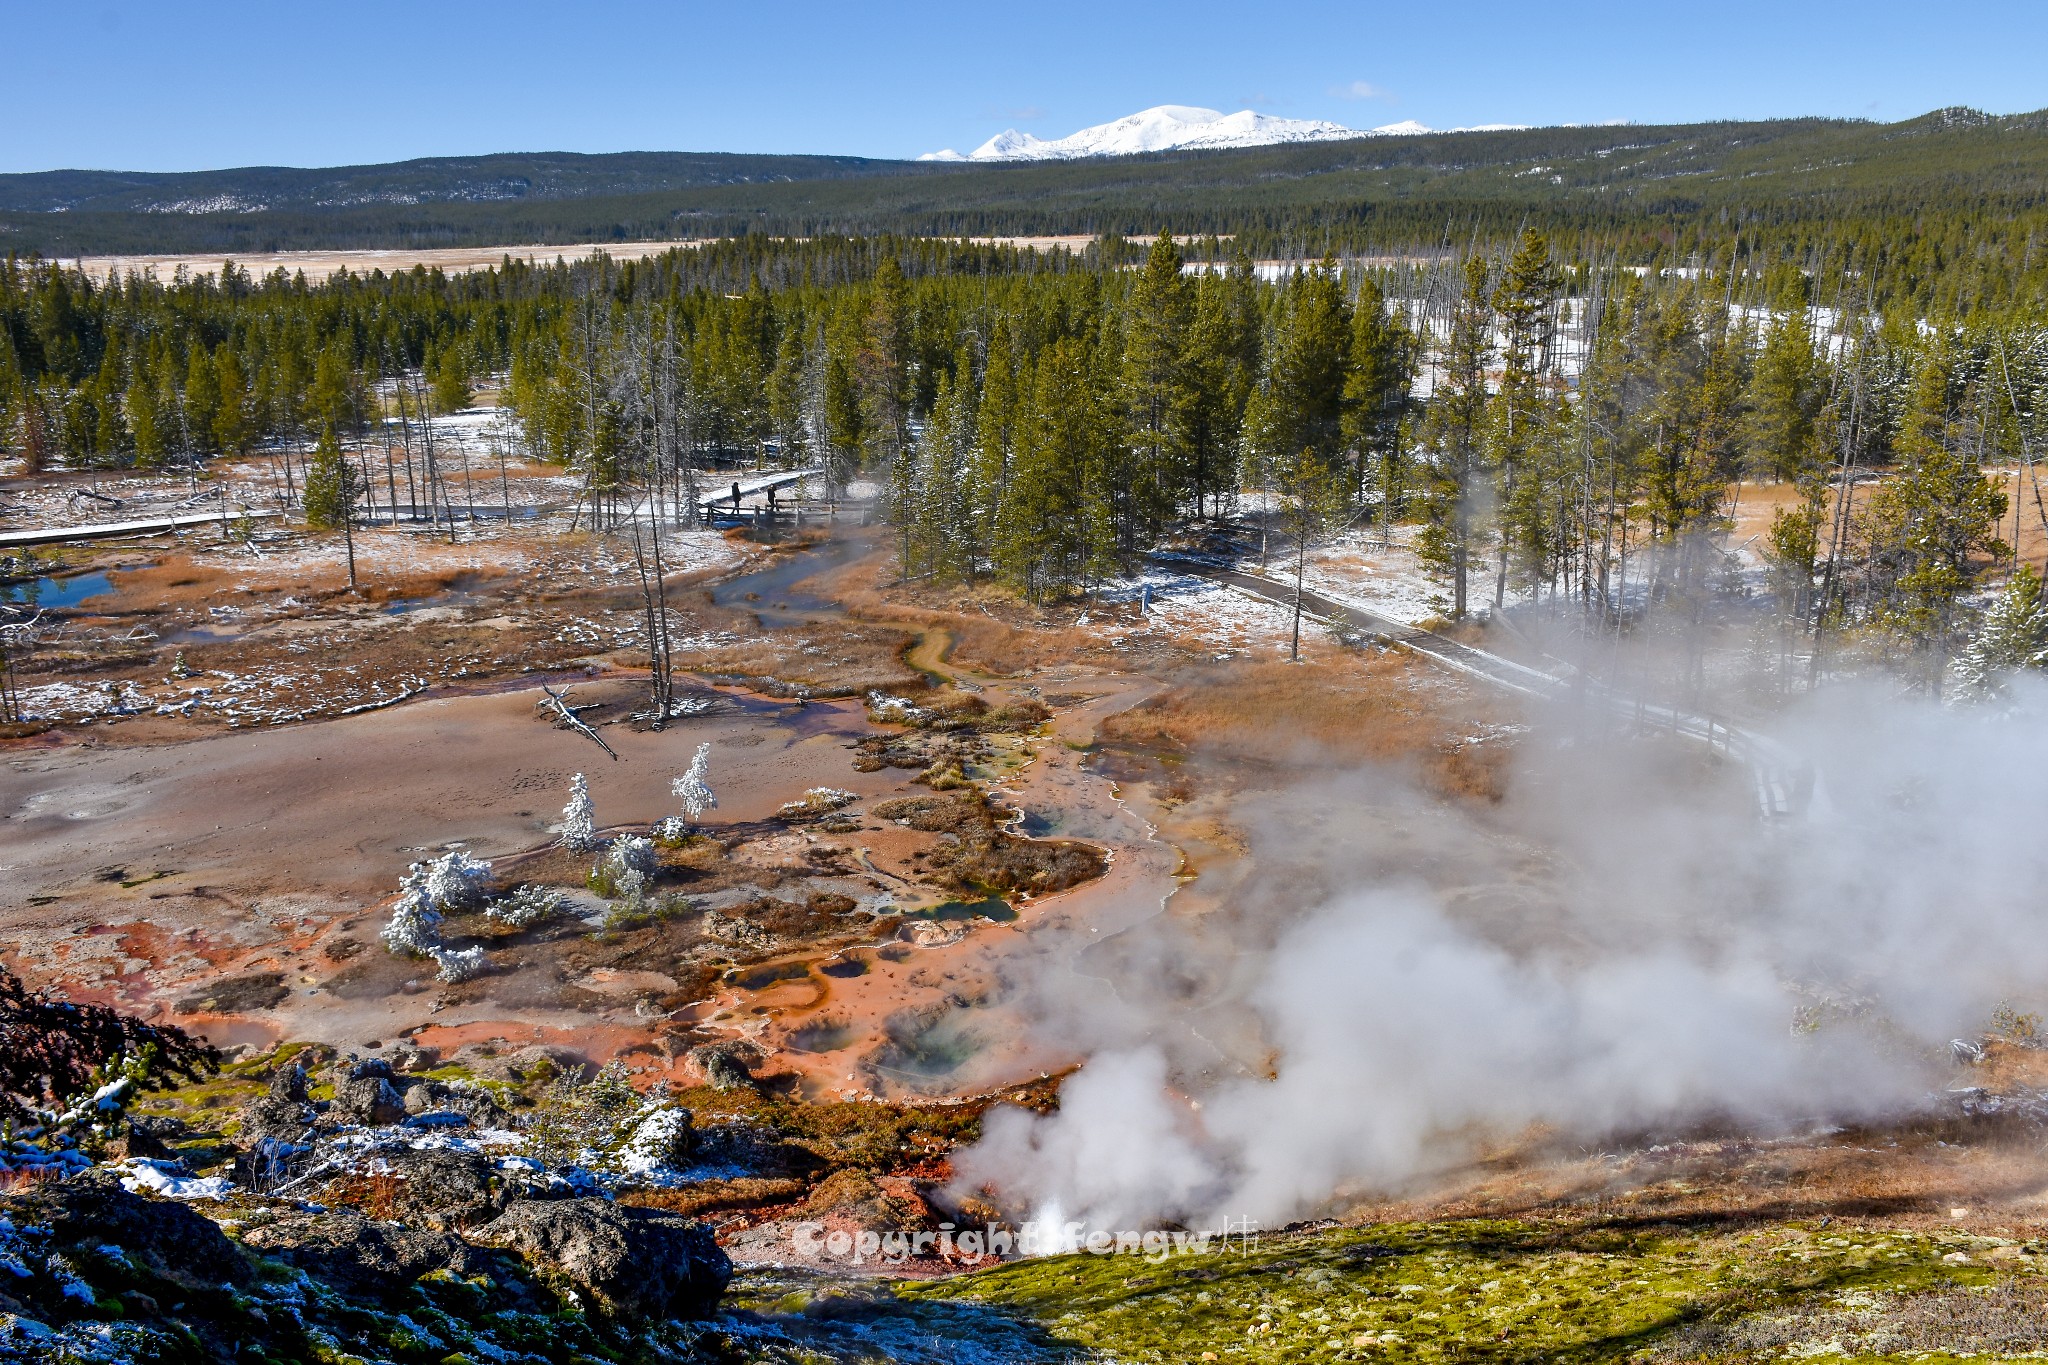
[320, 265]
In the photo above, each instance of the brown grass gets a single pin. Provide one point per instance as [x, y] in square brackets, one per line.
[827, 659]
[374, 1196]
[1376, 710]
[178, 583]
[986, 627]
[694, 1201]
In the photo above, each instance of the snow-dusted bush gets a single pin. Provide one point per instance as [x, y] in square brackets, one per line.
[459, 964]
[527, 906]
[456, 881]
[583, 1123]
[692, 788]
[579, 818]
[631, 853]
[453, 881]
[890, 709]
[817, 801]
[415, 927]
[625, 869]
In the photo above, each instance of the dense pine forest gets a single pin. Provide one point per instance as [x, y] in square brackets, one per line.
[1560, 423]
[1921, 197]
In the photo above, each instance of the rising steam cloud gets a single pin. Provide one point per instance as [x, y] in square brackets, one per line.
[1625, 946]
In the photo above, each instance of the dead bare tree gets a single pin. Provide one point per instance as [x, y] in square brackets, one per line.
[566, 716]
[16, 638]
[654, 598]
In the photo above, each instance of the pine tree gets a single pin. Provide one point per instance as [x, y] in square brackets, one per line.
[1378, 400]
[1455, 435]
[933, 500]
[1155, 395]
[450, 372]
[1786, 391]
[1306, 367]
[332, 399]
[231, 424]
[579, 818]
[789, 398]
[1218, 371]
[145, 413]
[201, 402]
[1526, 422]
[332, 487]
[1926, 523]
[997, 422]
[2012, 638]
[882, 367]
[1058, 534]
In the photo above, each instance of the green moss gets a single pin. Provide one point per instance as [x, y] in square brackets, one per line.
[1461, 1291]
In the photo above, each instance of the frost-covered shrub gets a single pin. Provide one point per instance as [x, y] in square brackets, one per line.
[889, 709]
[527, 906]
[817, 801]
[626, 868]
[456, 881]
[453, 881]
[631, 853]
[693, 789]
[579, 818]
[643, 910]
[415, 927]
[459, 964]
[583, 1123]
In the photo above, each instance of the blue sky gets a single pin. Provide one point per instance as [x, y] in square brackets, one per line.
[207, 83]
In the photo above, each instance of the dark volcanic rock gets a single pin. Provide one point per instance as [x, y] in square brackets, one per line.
[360, 1256]
[727, 1066]
[289, 1083]
[444, 1188]
[371, 1100]
[629, 1263]
[282, 1120]
[162, 1236]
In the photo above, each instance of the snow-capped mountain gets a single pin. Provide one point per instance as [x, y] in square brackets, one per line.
[1169, 127]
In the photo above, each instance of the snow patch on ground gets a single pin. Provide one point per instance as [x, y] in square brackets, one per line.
[1386, 578]
[166, 1178]
[1191, 608]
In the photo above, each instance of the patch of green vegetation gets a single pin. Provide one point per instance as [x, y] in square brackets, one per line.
[627, 915]
[1461, 1291]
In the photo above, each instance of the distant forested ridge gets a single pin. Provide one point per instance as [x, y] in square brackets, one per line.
[1966, 181]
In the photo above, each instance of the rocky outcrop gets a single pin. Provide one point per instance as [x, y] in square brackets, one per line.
[361, 1256]
[423, 1098]
[458, 1262]
[165, 1240]
[727, 1065]
[284, 1114]
[443, 1188]
[367, 1095]
[627, 1263]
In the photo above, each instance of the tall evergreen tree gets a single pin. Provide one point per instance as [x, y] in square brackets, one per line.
[1455, 436]
[1379, 400]
[1156, 398]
